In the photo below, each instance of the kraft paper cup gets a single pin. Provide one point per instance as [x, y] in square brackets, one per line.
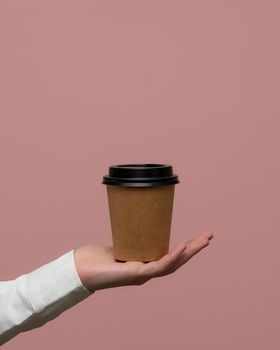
[140, 200]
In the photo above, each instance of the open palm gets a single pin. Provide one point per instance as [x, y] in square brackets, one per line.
[98, 268]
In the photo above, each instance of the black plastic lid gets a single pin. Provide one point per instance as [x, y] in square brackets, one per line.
[140, 175]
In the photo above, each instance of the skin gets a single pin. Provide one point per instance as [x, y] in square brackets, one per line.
[98, 269]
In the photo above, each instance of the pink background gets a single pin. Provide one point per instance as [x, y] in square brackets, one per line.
[85, 84]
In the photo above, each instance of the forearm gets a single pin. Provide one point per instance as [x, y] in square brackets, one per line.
[35, 298]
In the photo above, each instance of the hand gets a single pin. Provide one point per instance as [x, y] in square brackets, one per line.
[98, 269]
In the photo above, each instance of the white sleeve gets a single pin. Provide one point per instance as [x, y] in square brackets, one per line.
[37, 297]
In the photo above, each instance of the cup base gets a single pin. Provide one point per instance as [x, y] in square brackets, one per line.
[140, 259]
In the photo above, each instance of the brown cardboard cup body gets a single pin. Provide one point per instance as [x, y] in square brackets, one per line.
[140, 221]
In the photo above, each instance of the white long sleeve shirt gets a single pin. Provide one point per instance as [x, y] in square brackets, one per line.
[37, 297]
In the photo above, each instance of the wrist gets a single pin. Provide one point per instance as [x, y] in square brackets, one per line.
[82, 270]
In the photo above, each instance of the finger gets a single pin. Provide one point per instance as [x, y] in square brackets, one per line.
[164, 265]
[195, 245]
[202, 234]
